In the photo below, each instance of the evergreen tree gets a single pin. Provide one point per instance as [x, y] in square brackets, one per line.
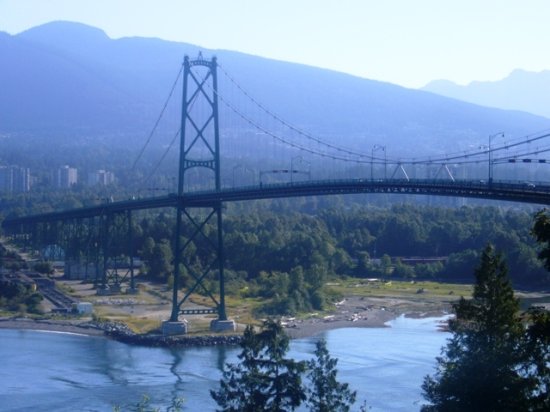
[326, 393]
[541, 231]
[264, 379]
[484, 367]
[537, 349]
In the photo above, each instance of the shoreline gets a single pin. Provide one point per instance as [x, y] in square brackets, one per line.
[348, 315]
[49, 325]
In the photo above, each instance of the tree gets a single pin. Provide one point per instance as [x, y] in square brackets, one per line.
[326, 393]
[537, 349]
[264, 379]
[160, 261]
[44, 267]
[541, 231]
[484, 366]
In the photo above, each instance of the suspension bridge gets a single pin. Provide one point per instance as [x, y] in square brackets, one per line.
[288, 162]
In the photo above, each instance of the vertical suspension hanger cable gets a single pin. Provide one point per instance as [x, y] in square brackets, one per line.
[157, 122]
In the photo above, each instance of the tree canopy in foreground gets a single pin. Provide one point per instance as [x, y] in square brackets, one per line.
[492, 361]
[266, 380]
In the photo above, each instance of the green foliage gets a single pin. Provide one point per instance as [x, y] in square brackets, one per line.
[326, 394]
[537, 350]
[403, 271]
[44, 267]
[485, 366]
[160, 261]
[297, 291]
[17, 297]
[263, 379]
[144, 405]
[541, 231]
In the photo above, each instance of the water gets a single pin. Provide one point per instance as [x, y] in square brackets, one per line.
[45, 371]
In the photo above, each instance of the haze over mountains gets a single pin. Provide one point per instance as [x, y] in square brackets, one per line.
[71, 80]
[521, 90]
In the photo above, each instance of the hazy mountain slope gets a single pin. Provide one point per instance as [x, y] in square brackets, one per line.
[521, 90]
[72, 80]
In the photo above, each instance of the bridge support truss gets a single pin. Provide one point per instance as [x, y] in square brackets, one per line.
[200, 226]
[95, 248]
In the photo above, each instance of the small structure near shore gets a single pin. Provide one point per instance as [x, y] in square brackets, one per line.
[83, 308]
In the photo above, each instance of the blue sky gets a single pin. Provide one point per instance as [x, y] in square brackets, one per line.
[407, 42]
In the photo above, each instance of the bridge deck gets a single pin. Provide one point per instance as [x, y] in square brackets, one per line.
[496, 190]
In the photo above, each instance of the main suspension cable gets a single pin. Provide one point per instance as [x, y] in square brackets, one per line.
[158, 119]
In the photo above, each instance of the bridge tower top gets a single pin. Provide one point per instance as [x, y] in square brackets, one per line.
[200, 137]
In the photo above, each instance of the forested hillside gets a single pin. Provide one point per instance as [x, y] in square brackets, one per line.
[362, 242]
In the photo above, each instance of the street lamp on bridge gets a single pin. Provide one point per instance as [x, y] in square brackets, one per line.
[301, 161]
[491, 137]
[375, 148]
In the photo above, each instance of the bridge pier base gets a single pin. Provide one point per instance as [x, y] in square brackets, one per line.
[174, 328]
[132, 291]
[218, 325]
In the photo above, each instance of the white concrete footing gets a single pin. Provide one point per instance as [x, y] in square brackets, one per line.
[174, 328]
[223, 325]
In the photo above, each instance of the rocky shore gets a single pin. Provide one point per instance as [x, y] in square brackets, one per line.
[117, 331]
[122, 333]
[352, 312]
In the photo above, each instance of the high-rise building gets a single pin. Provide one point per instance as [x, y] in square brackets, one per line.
[101, 177]
[21, 179]
[6, 179]
[67, 177]
[15, 179]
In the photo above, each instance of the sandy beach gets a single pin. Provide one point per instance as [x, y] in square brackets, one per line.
[361, 312]
[356, 312]
[66, 326]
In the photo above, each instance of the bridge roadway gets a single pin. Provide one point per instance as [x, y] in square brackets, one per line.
[523, 192]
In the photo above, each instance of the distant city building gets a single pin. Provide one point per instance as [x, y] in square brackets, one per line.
[15, 179]
[67, 177]
[101, 177]
[6, 179]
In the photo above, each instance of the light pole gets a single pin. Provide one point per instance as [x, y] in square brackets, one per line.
[375, 148]
[245, 170]
[301, 160]
[491, 155]
[234, 169]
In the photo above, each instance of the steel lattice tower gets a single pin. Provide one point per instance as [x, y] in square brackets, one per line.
[199, 149]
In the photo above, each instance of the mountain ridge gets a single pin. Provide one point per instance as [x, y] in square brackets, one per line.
[521, 90]
[103, 86]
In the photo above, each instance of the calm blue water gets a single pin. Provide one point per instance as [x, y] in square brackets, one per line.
[45, 371]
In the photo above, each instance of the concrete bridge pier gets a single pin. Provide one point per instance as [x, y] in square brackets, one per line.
[171, 328]
[227, 325]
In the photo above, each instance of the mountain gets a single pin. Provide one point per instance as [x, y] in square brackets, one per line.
[72, 81]
[521, 90]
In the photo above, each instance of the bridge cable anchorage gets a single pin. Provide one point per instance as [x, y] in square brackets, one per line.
[158, 118]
